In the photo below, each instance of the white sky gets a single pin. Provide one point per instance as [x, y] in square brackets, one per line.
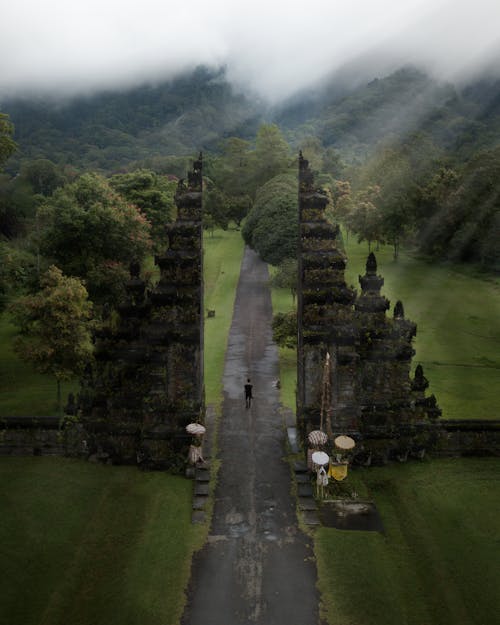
[273, 46]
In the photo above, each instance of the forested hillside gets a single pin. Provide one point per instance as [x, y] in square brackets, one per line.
[408, 160]
[109, 130]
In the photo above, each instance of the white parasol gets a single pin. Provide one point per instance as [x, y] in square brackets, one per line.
[344, 442]
[196, 428]
[320, 458]
[317, 438]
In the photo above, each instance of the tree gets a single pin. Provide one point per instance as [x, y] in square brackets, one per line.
[215, 208]
[286, 277]
[55, 327]
[87, 225]
[365, 218]
[271, 156]
[152, 194]
[271, 227]
[18, 205]
[465, 222]
[43, 176]
[7, 144]
[284, 327]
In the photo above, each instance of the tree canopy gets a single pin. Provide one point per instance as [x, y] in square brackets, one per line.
[86, 227]
[271, 227]
[54, 324]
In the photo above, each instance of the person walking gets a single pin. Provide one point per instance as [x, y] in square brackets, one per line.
[248, 393]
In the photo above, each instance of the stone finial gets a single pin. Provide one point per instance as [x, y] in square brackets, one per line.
[195, 176]
[306, 177]
[70, 408]
[420, 382]
[399, 311]
[371, 264]
[135, 269]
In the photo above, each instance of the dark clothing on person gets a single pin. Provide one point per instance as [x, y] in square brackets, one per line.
[248, 394]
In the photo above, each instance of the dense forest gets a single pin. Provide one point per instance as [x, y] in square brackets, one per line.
[88, 183]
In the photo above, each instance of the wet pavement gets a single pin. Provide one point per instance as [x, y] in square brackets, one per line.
[257, 566]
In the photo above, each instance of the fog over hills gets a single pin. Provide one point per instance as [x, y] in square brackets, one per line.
[274, 48]
[120, 128]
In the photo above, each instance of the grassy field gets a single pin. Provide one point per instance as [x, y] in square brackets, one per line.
[22, 390]
[88, 544]
[25, 392]
[222, 259]
[457, 313]
[438, 559]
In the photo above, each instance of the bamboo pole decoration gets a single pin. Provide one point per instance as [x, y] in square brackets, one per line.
[326, 393]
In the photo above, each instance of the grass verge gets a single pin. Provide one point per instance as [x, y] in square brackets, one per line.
[223, 252]
[89, 544]
[436, 563]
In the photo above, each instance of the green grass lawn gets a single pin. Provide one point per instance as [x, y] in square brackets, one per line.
[457, 313]
[438, 559]
[222, 259]
[88, 544]
[23, 391]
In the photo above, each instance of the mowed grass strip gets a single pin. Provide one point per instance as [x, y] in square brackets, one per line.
[23, 391]
[438, 559]
[90, 544]
[282, 302]
[223, 252]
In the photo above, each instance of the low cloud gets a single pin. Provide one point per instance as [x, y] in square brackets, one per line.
[273, 47]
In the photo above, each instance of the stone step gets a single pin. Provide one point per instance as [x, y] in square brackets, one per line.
[307, 503]
[310, 517]
[202, 474]
[300, 467]
[198, 516]
[302, 478]
[199, 502]
[201, 489]
[304, 490]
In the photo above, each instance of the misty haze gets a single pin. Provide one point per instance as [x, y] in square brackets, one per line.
[250, 312]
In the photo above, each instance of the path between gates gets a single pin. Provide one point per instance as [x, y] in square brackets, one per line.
[257, 565]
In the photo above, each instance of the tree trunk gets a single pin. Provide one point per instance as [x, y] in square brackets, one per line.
[59, 407]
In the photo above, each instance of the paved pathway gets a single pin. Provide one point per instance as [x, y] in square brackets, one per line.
[257, 566]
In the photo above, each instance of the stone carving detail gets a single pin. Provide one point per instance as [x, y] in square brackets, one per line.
[148, 383]
[371, 391]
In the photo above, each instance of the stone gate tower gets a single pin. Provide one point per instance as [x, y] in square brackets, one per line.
[147, 384]
[369, 390]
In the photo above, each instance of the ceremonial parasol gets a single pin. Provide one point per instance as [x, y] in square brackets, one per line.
[317, 438]
[320, 458]
[344, 442]
[196, 428]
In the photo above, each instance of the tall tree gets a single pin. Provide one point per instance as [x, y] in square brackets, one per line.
[87, 225]
[7, 144]
[271, 226]
[271, 156]
[153, 194]
[55, 327]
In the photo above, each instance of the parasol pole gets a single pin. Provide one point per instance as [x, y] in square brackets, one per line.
[325, 390]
